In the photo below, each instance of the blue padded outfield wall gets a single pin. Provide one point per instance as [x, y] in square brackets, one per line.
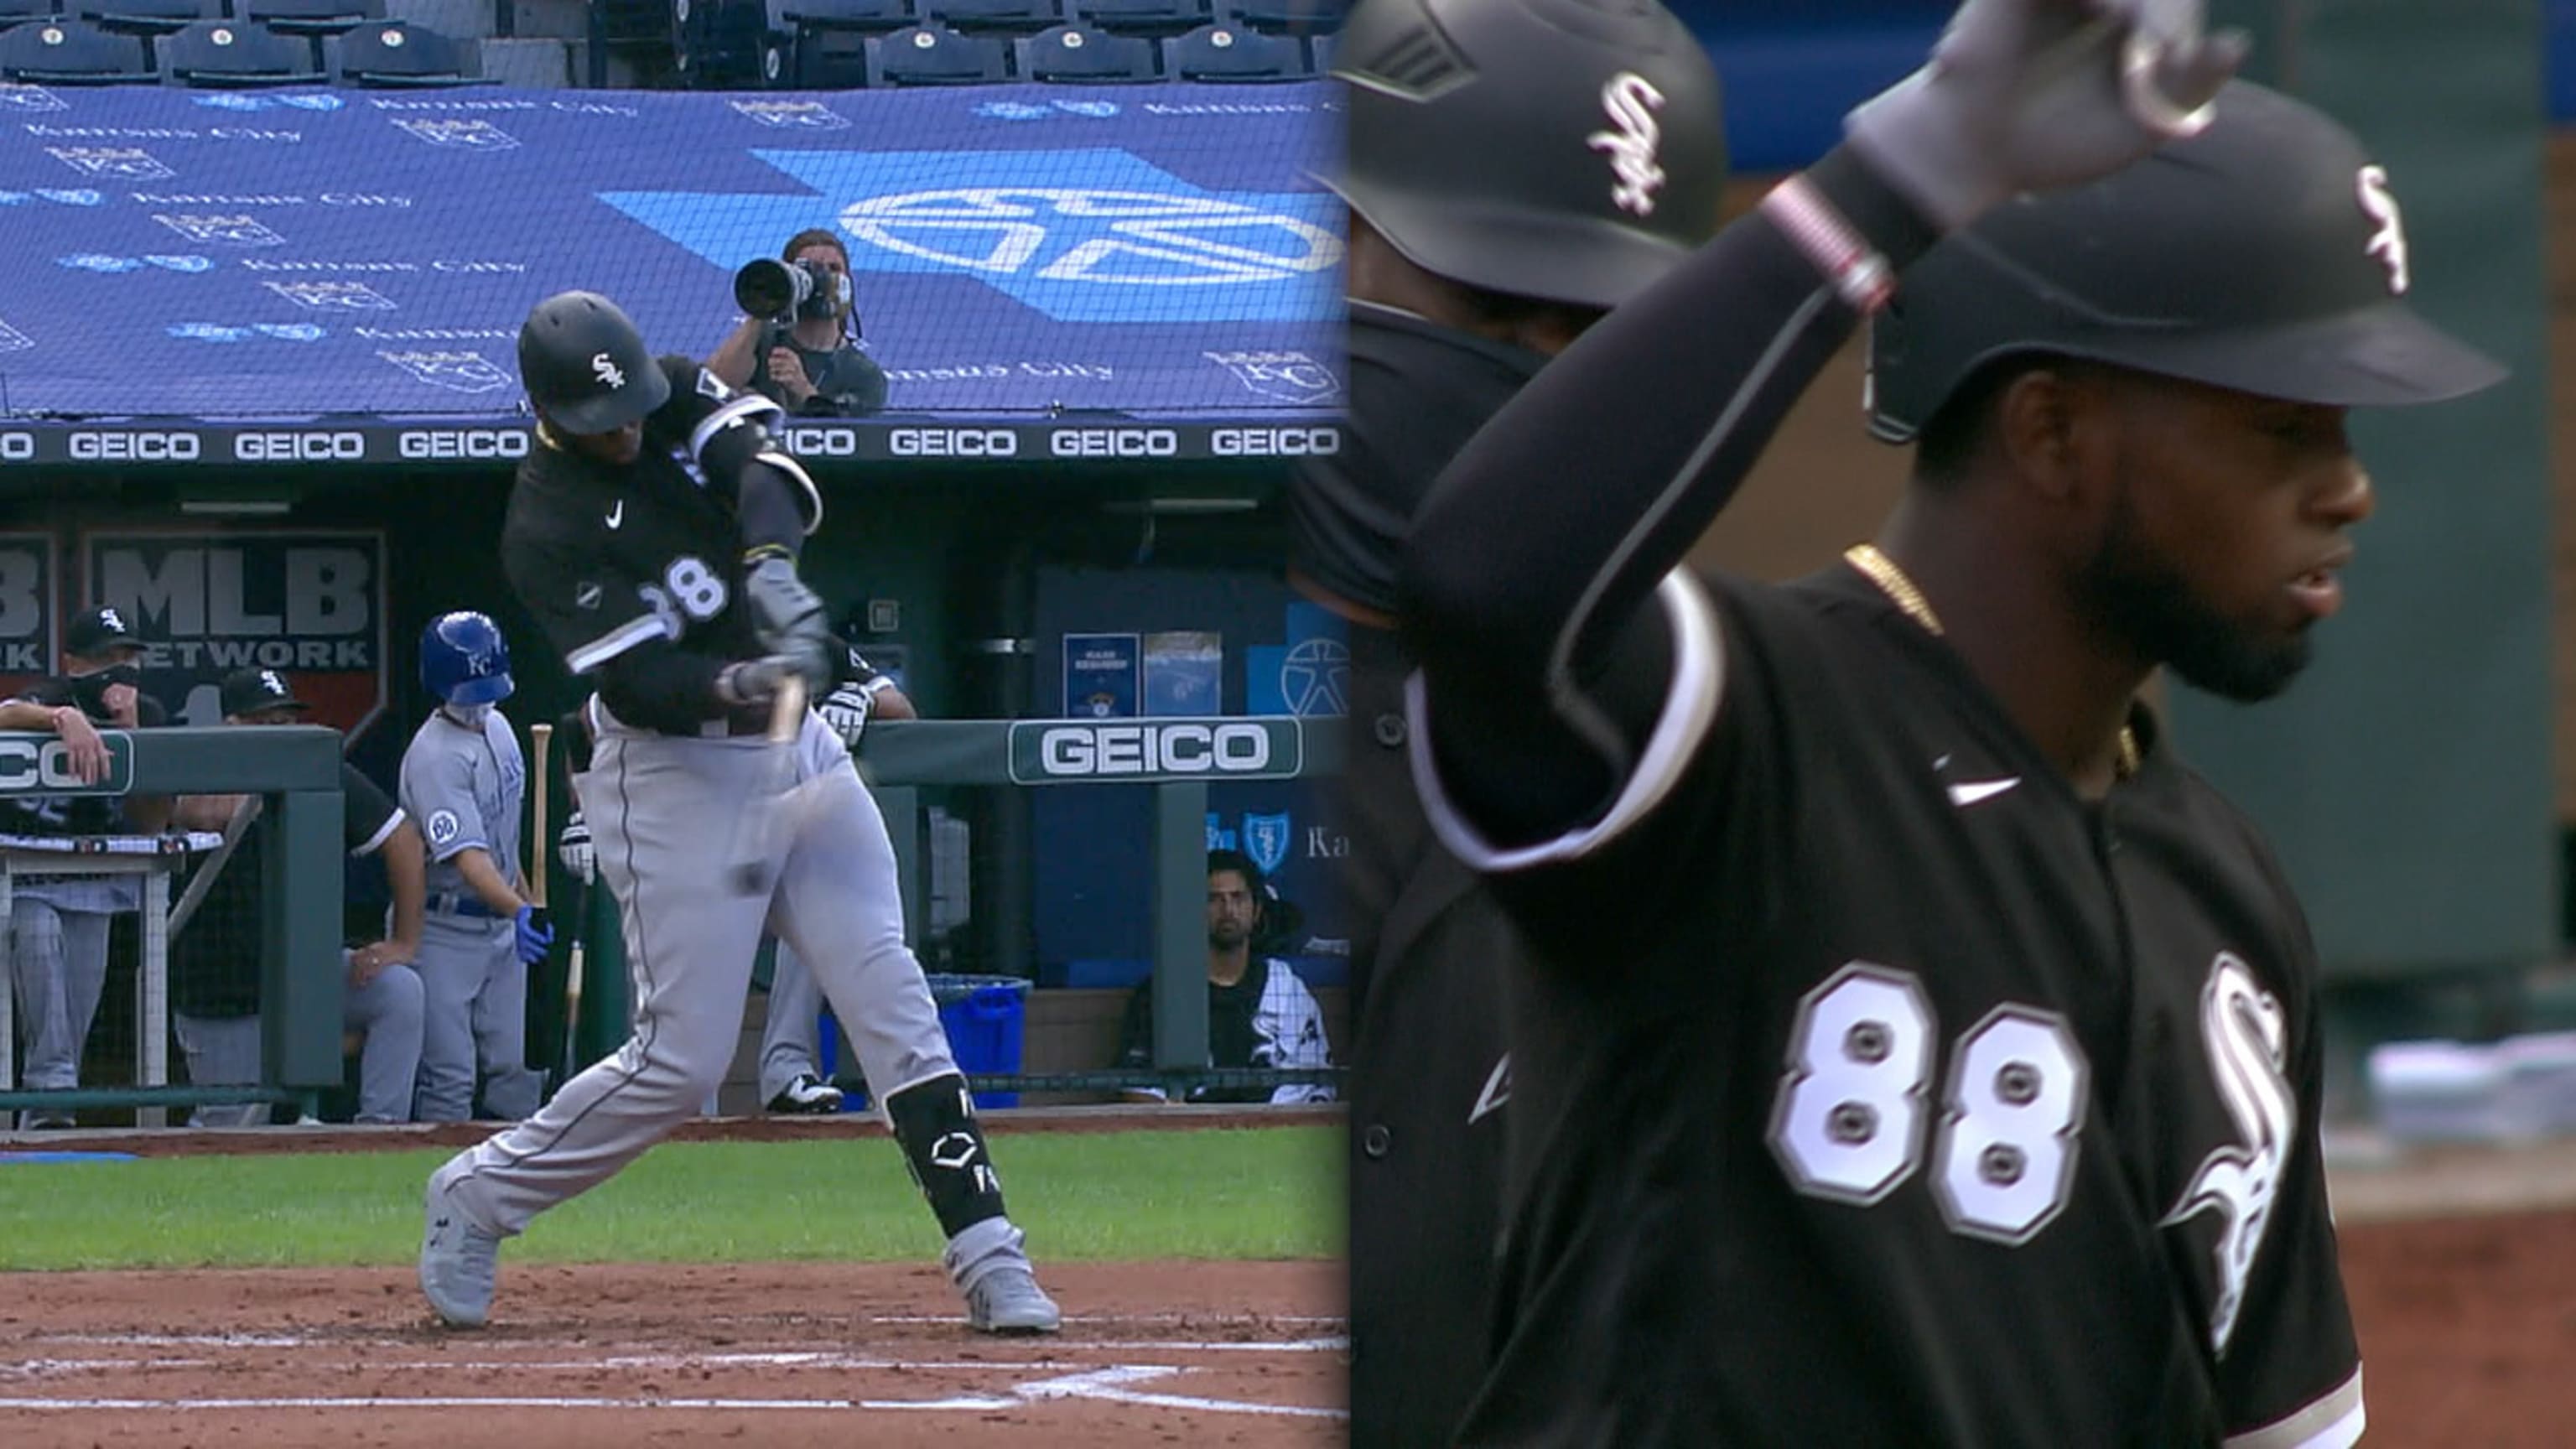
[1159, 252]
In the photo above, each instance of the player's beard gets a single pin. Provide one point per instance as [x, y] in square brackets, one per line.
[2145, 600]
[1227, 936]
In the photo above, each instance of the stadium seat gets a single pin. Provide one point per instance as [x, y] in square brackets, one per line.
[1233, 53]
[1081, 55]
[1017, 17]
[233, 54]
[18, 12]
[826, 49]
[310, 17]
[871, 17]
[395, 54]
[1288, 17]
[71, 53]
[1153, 19]
[146, 17]
[931, 55]
[726, 45]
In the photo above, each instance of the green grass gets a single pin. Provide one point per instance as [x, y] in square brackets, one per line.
[1271, 1193]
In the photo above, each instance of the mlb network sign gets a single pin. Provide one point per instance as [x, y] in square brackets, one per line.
[38, 765]
[1140, 751]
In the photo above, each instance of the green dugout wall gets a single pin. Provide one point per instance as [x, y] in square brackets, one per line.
[2407, 777]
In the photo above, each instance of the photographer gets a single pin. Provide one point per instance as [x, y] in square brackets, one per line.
[799, 342]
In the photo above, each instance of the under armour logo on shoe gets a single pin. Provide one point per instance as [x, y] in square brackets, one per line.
[1630, 101]
[605, 370]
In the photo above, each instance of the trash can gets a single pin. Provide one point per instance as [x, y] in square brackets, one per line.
[986, 1018]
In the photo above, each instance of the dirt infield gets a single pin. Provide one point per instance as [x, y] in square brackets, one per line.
[2461, 1264]
[1238, 1354]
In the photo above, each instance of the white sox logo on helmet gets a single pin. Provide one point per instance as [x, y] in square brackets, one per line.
[2370, 187]
[1630, 101]
[606, 371]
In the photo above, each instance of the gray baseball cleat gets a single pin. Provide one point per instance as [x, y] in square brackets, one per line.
[1009, 1300]
[992, 1269]
[458, 1260]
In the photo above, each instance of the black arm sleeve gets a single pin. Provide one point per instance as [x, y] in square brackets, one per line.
[657, 685]
[1528, 578]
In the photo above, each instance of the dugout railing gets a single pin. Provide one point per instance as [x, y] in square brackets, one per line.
[297, 769]
[1177, 759]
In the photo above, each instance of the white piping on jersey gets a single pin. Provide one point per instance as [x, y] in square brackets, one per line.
[1699, 680]
[642, 629]
[2334, 1421]
[1498, 1090]
[384, 832]
[1588, 721]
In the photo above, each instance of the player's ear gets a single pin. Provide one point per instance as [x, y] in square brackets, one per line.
[2046, 428]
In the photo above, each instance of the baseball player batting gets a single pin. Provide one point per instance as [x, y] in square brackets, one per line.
[1914, 1050]
[463, 780]
[1488, 231]
[678, 598]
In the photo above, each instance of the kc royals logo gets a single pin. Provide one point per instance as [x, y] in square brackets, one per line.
[230, 231]
[462, 135]
[794, 115]
[1290, 377]
[1265, 839]
[27, 100]
[125, 163]
[333, 296]
[455, 371]
[443, 826]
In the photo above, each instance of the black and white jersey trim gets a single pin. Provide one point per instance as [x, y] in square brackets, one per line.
[1699, 677]
[2332, 1422]
[384, 832]
[642, 629]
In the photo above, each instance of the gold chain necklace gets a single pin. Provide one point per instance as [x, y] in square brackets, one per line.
[1901, 590]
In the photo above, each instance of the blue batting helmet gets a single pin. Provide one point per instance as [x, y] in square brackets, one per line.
[463, 659]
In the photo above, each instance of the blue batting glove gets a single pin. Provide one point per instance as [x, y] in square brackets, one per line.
[536, 935]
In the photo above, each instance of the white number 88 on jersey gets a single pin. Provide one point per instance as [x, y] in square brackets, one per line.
[690, 593]
[1848, 1124]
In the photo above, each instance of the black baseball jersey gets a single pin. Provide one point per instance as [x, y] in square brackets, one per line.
[1875, 1089]
[74, 814]
[1429, 1072]
[1870, 1086]
[617, 558]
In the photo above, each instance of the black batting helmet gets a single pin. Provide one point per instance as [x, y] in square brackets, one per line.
[585, 366]
[2265, 254]
[1566, 150]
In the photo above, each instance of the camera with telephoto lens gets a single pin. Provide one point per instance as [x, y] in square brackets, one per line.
[785, 291]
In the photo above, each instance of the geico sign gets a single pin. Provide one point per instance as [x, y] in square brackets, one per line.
[1275, 442]
[823, 442]
[135, 447]
[299, 447]
[36, 765]
[17, 447]
[1145, 749]
[1114, 442]
[953, 443]
[461, 443]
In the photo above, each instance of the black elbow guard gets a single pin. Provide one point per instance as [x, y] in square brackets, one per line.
[733, 444]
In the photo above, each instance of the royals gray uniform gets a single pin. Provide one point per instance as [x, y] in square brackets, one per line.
[465, 787]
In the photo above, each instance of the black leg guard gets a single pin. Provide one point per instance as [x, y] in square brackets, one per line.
[944, 1148]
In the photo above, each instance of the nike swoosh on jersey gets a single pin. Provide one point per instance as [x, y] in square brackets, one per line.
[1969, 792]
[617, 515]
[1498, 1090]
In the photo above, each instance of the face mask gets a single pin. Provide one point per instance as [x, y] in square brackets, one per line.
[90, 690]
[471, 716]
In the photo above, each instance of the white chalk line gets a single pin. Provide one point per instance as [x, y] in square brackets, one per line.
[1106, 1385]
[1048, 1349]
[636, 1362]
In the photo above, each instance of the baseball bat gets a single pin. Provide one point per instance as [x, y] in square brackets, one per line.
[754, 835]
[541, 742]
